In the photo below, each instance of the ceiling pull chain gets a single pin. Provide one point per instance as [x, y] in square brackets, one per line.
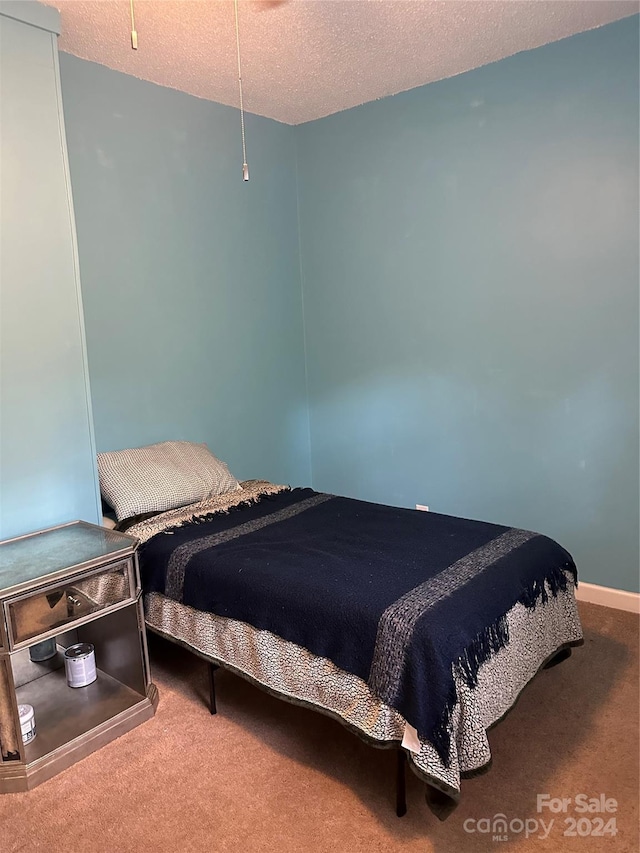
[245, 167]
[134, 34]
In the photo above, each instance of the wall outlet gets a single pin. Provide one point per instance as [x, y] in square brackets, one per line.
[422, 507]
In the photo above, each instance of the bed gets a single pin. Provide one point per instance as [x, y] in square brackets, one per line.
[417, 631]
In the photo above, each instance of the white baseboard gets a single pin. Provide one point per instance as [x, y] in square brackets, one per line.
[620, 599]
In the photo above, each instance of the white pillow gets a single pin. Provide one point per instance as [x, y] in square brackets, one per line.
[161, 476]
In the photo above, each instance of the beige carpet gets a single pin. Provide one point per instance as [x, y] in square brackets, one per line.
[267, 776]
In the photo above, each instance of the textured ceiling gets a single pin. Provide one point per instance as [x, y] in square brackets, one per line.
[303, 59]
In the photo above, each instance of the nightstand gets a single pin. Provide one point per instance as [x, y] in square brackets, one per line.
[77, 583]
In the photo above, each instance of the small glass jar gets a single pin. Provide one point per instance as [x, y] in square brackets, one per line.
[43, 651]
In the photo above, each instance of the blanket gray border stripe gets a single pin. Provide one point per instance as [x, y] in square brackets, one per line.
[398, 622]
[177, 566]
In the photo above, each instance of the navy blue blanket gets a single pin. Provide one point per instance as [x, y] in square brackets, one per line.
[394, 596]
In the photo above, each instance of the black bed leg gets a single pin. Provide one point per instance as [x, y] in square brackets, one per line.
[212, 688]
[401, 788]
[563, 654]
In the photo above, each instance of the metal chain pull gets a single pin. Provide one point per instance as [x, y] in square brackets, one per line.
[134, 34]
[245, 167]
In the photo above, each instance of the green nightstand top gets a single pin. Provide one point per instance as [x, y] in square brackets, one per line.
[43, 555]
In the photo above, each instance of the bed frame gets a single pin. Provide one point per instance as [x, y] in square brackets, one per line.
[401, 758]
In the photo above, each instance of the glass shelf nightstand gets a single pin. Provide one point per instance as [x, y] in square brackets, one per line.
[77, 583]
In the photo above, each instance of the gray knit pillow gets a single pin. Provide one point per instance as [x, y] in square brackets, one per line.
[161, 477]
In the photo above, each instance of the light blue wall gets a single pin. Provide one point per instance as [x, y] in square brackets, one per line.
[47, 455]
[470, 276]
[191, 279]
